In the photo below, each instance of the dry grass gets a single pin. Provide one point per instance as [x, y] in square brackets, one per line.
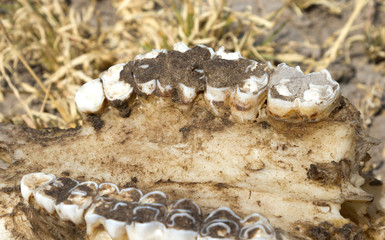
[53, 48]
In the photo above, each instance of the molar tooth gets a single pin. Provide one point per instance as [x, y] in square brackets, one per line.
[148, 87]
[54, 192]
[186, 94]
[112, 209]
[245, 102]
[114, 88]
[227, 55]
[153, 54]
[221, 223]
[78, 200]
[148, 216]
[90, 97]
[183, 220]
[31, 182]
[217, 99]
[256, 227]
[294, 96]
[181, 47]
[164, 91]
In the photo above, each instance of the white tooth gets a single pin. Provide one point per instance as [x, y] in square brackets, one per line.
[153, 54]
[256, 227]
[176, 234]
[114, 88]
[255, 84]
[301, 97]
[245, 102]
[31, 182]
[90, 97]
[70, 212]
[181, 47]
[116, 229]
[148, 87]
[45, 202]
[163, 90]
[213, 94]
[78, 201]
[146, 231]
[93, 220]
[188, 94]
[228, 56]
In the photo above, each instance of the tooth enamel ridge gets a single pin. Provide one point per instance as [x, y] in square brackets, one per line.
[128, 214]
[295, 96]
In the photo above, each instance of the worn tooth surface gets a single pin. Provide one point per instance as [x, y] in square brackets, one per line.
[255, 227]
[111, 211]
[247, 100]
[54, 193]
[76, 203]
[148, 216]
[183, 220]
[90, 97]
[295, 96]
[114, 88]
[221, 223]
[31, 182]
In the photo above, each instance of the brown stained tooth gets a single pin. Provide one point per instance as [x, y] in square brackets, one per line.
[112, 209]
[294, 96]
[247, 100]
[30, 183]
[54, 193]
[221, 223]
[77, 202]
[183, 220]
[148, 217]
[256, 227]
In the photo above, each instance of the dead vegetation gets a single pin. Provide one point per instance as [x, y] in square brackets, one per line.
[49, 48]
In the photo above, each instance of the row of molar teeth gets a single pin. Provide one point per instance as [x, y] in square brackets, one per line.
[110, 213]
[313, 103]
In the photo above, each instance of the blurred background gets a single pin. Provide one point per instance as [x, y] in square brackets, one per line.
[49, 48]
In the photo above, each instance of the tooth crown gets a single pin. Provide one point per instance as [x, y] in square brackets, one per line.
[128, 214]
[232, 85]
[295, 96]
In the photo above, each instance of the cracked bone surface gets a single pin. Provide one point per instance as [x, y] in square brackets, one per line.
[221, 130]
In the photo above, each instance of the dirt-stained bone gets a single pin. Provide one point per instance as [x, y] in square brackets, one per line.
[228, 151]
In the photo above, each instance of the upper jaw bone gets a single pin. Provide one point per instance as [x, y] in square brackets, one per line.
[294, 96]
